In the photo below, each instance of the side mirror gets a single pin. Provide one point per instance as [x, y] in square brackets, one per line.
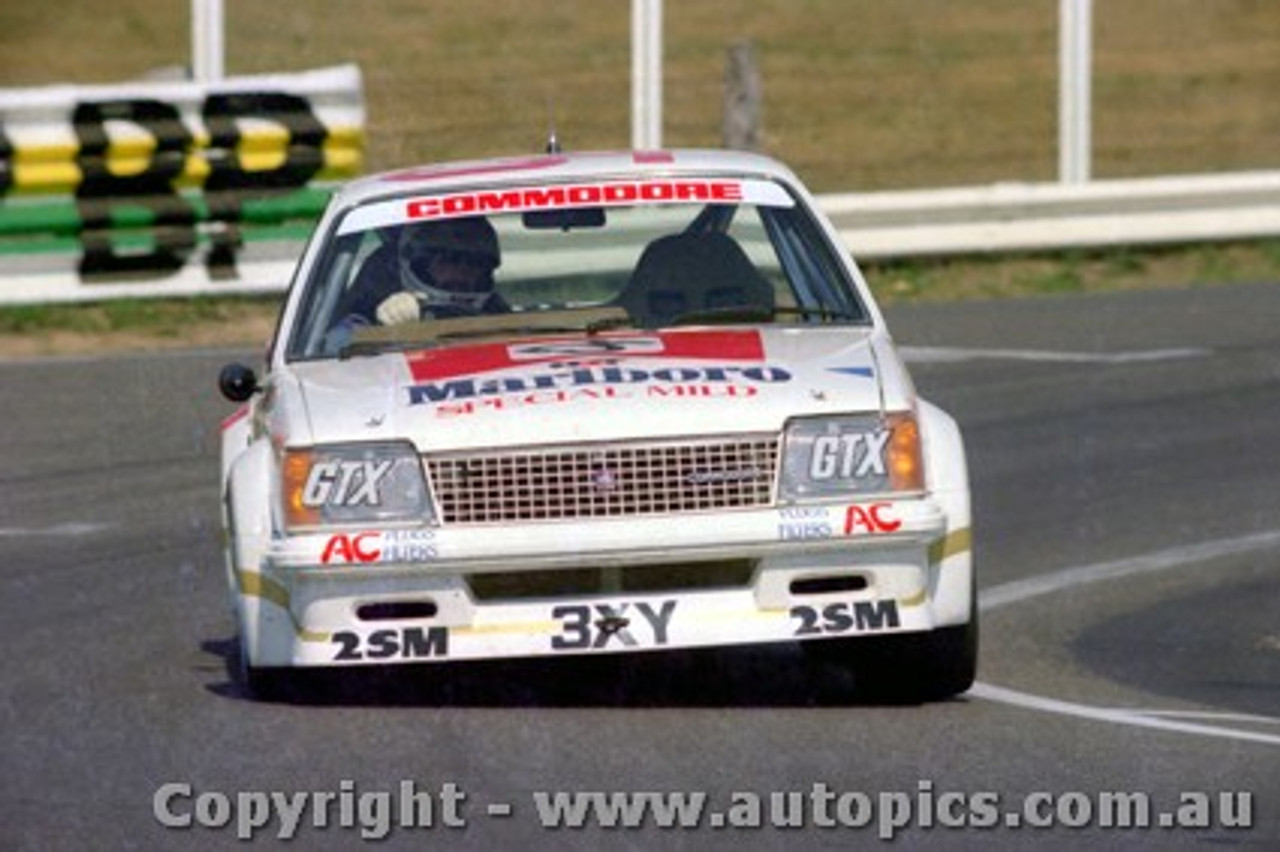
[237, 382]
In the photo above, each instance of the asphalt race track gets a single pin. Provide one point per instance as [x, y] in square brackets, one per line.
[1124, 464]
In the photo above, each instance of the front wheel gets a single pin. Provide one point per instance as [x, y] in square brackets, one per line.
[908, 667]
[261, 683]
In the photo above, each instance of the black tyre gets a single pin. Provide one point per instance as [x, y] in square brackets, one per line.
[910, 667]
[261, 683]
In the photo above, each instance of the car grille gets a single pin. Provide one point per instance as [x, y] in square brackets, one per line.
[611, 480]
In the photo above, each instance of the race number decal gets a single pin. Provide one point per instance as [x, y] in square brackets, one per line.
[406, 643]
[597, 627]
[845, 617]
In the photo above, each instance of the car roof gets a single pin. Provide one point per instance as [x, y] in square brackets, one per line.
[568, 166]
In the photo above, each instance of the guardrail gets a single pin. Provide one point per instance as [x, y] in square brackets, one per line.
[1039, 217]
[169, 188]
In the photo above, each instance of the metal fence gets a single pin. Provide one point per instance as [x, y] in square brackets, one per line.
[897, 98]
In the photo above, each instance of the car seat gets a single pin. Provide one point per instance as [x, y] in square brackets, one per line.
[693, 272]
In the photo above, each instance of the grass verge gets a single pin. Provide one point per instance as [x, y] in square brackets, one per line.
[150, 324]
[1074, 271]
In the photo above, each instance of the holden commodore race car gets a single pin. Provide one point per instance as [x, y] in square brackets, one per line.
[591, 403]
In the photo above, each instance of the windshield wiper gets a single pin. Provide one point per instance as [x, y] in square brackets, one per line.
[820, 312]
[362, 348]
[507, 331]
[757, 313]
[608, 324]
[471, 328]
[731, 313]
[590, 328]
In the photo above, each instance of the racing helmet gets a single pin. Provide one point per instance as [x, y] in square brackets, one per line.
[470, 242]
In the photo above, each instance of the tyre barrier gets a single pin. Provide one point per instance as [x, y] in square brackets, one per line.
[169, 188]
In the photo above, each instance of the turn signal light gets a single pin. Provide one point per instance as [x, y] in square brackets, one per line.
[906, 461]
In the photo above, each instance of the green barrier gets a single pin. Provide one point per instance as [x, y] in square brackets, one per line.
[62, 217]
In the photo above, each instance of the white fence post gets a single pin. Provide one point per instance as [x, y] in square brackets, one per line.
[646, 74]
[208, 42]
[1075, 50]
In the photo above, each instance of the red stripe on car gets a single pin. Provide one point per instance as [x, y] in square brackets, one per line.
[435, 364]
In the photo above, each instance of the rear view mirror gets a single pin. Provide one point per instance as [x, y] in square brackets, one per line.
[237, 382]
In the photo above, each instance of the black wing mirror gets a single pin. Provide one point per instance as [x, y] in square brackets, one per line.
[238, 382]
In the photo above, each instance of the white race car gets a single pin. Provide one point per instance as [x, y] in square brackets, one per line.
[591, 403]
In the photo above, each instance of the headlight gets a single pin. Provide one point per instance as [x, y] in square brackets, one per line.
[839, 456]
[345, 484]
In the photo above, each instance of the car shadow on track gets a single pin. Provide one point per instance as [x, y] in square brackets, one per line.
[770, 676]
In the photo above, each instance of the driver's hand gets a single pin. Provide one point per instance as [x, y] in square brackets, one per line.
[398, 308]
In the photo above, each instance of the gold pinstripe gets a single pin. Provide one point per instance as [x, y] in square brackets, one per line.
[255, 585]
[952, 544]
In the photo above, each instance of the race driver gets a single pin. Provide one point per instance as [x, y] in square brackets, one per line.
[431, 270]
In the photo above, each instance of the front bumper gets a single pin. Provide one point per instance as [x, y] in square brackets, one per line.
[795, 574]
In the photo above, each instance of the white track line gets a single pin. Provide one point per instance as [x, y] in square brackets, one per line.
[70, 529]
[948, 354]
[1137, 718]
[1178, 557]
[1248, 718]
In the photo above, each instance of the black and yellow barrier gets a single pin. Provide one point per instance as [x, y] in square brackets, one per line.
[169, 188]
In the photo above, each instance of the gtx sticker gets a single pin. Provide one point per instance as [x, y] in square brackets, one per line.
[871, 518]
[845, 617]
[852, 455]
[400, 643]
[345, 483]
[598, 626]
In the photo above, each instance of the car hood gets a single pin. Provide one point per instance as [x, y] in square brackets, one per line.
[603, 387]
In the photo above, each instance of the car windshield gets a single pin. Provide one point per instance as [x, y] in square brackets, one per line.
[423, 270]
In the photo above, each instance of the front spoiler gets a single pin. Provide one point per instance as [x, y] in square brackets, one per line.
[312, 616]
